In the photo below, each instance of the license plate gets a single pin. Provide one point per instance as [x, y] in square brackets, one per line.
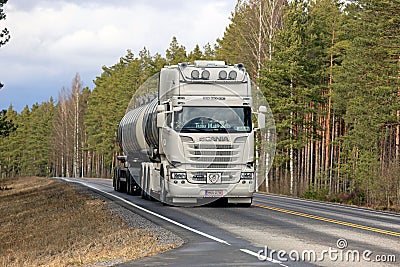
[214, 193]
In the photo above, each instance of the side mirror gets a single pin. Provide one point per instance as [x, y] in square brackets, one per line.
[160, 120]
[160, 116]
[261, 117]
[160, 108]
[261, 121]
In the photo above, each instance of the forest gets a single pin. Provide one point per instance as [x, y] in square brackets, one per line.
[329, 69]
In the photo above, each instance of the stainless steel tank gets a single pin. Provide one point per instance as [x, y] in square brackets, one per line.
[137, 131]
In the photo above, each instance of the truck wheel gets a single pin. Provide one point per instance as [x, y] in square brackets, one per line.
[123, 187]
[128, 184]
[115, 177]
[163, 193]
[144, 182]
[117, 185]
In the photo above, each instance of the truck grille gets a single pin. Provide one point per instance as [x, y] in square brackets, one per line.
[207, 158]
[213, 166]
[213, 156]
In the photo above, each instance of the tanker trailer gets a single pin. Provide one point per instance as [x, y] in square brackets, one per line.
[187, 137]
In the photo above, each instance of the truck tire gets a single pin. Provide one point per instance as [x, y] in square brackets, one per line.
[144, 182]
[117, 185]
[128, 184]
[163, 194]
[115, 177]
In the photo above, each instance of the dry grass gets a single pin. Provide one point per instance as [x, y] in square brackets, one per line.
[47, 223]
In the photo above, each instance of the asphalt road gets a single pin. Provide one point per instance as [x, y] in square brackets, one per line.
[275, 231]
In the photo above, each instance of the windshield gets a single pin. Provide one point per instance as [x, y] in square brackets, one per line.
[213, 119]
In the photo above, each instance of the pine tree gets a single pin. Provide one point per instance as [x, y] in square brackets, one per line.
[175, 53]
[209, 52]
[6, 126]
[196, 54]
[370, 85]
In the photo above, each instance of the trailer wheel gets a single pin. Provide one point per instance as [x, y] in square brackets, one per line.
[135, 188]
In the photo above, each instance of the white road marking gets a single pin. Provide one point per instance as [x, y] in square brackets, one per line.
[154, 214]
[262, 257]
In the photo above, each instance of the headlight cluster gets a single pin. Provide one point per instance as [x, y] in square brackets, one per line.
[246, 175]
[178, 175]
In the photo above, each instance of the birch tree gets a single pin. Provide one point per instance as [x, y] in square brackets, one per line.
[249, 37]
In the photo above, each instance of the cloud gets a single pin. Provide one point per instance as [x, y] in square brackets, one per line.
[52, 40]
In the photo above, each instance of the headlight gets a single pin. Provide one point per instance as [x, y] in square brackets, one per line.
[205, 75]
[195, 74]
[232, 75]
[246, 175]
[222, 75]
[178, 175]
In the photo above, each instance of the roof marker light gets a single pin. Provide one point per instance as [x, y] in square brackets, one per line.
[222, 75]
[232, 75]
[195, 74]
[205, 75]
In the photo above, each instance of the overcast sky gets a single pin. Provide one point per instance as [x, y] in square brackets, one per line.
[52, 40]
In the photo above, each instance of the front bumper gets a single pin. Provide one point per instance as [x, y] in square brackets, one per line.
[183, 189]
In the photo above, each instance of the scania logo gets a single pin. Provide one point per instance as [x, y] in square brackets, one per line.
[214, 139]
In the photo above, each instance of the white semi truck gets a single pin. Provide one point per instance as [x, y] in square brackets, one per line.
[188, 136]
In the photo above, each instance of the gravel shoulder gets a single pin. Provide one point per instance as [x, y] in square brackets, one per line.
[135, 221]
[46, 222]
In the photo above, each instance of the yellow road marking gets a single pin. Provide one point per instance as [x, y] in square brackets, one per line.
[319, 218]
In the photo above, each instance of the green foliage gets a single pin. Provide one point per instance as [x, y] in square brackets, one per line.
[6, 126]
[175, 53]
[313, 192]
[293, 80]
[230, 46]
[368, 84]
[196, 54]
[26, 150]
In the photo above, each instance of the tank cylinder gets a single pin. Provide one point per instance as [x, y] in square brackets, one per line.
[137, 131]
